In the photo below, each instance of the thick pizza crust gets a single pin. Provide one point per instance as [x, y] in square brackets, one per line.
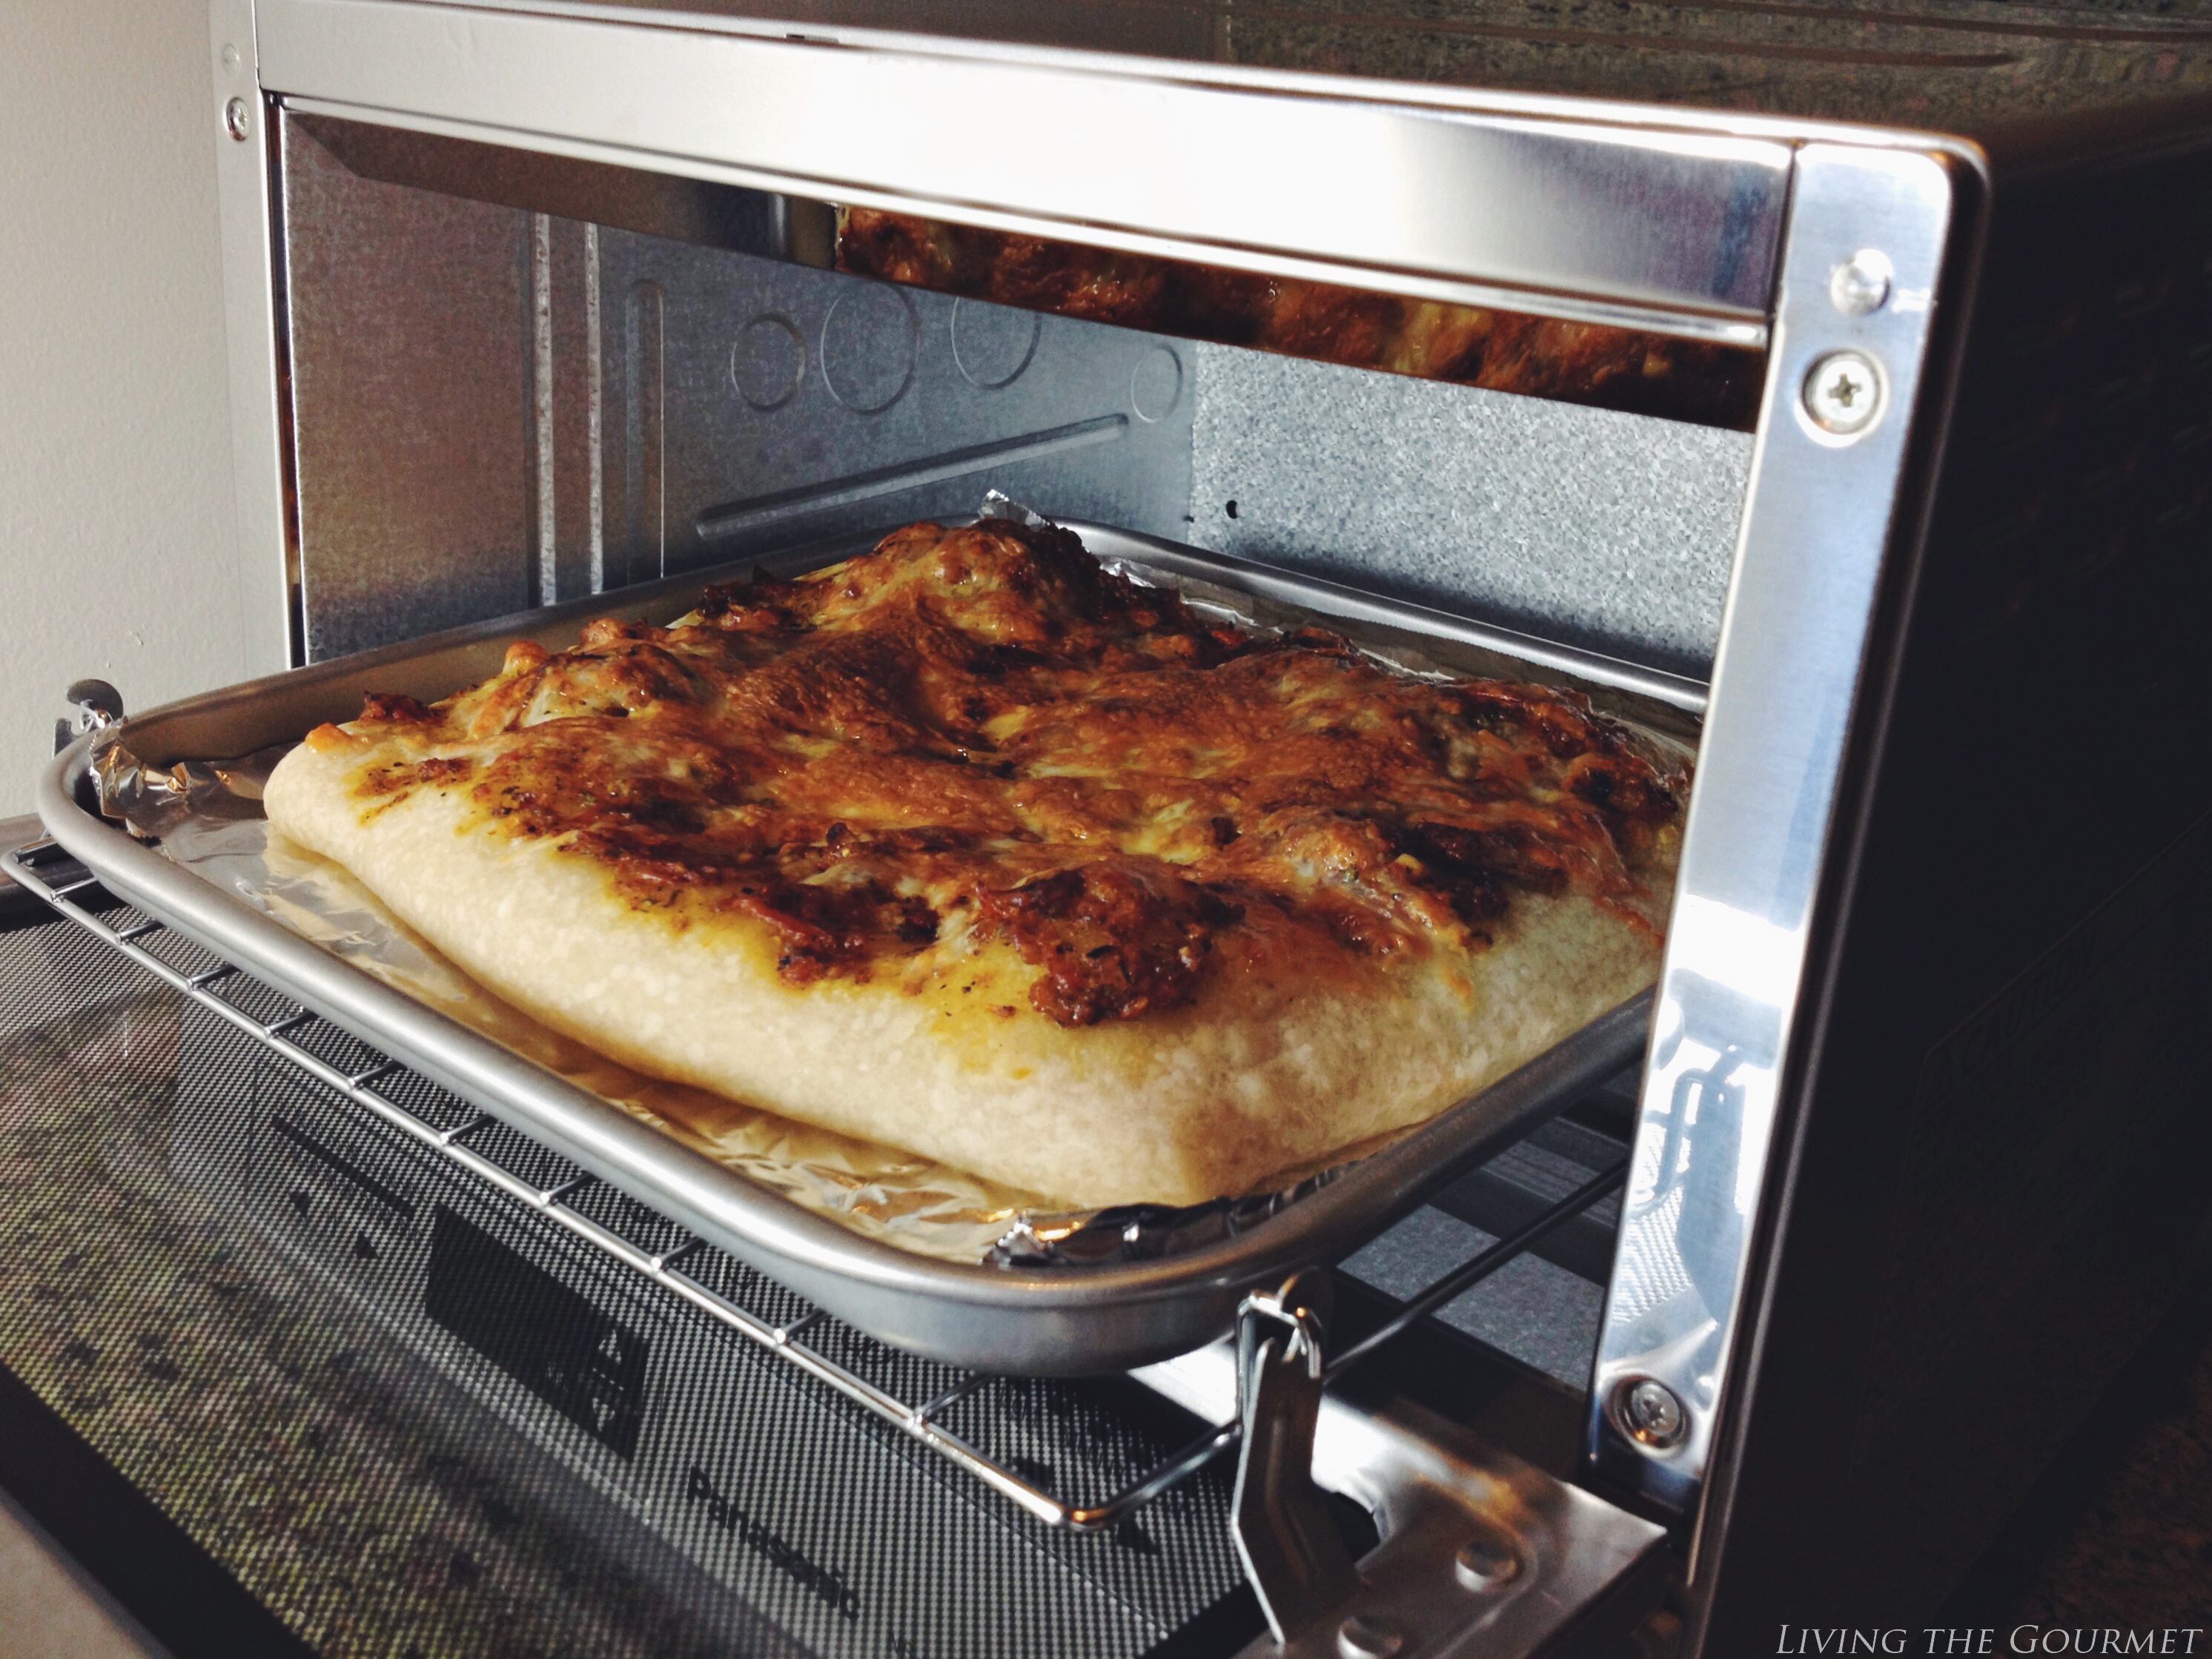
[947, 1058]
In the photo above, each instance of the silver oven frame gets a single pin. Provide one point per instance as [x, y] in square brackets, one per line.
[1742, 229]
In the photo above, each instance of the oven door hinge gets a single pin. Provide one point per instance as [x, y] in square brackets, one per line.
[1481, 1555]
[1293, 1552]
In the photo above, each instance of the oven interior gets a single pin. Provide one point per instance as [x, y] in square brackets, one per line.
[498, 401]
[495, 407]
[512, 383]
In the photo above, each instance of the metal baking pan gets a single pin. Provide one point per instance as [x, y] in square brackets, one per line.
[1061, 1320]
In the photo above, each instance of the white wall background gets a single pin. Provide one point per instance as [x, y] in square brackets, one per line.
[117, 554]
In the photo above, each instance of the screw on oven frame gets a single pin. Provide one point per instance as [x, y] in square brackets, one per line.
[1650, 1414]
[237, 119]
[1483, 1564]
[1844, 393]
[1860, 286]
[1362, 1636]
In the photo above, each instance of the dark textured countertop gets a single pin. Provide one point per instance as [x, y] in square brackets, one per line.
[2123, 1540]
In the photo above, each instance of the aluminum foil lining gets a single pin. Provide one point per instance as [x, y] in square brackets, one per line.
[207, 816]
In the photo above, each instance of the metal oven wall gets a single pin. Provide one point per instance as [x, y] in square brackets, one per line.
[495, 407]
[2002, 1165]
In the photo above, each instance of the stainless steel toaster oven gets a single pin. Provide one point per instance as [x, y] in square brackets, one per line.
[1836, 386]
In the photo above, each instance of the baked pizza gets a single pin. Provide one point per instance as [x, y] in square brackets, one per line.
[975, 847]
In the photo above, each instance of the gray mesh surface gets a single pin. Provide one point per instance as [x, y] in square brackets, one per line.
[1613, 531]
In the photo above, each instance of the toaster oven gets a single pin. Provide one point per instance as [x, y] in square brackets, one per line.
[1839, 387]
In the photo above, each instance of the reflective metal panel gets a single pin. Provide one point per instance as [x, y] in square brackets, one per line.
[751, 405]
[1613, 530]
[1383, 194]
[1815, 530]
[655, 204]
[411, 330]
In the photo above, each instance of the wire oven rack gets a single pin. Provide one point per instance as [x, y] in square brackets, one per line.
[802, 1336]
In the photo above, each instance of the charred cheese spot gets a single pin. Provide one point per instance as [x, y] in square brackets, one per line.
[1114, 939]
[979, 739]
[393, 709]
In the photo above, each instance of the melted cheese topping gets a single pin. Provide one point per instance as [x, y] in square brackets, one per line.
[978, 736]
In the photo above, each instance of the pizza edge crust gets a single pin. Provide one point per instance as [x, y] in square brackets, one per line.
[1211, 1099]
